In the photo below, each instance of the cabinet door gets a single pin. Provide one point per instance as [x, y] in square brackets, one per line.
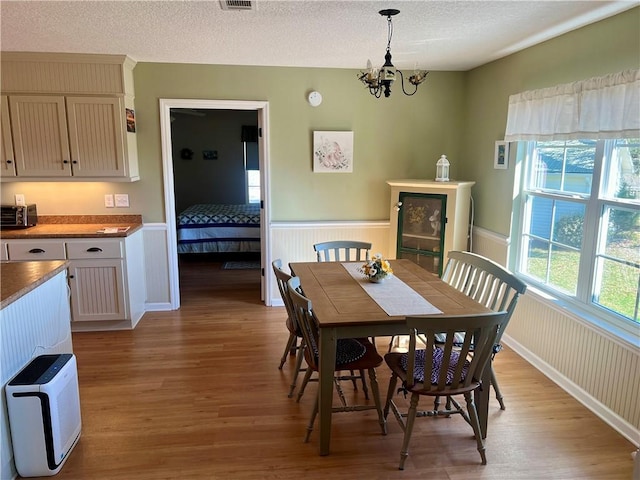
[40, 142]
[97, 290]
[421, 222]
[8, 165]
[96, 132]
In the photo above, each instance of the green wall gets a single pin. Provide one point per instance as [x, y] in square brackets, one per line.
[460, 114]
[396, 137]
[609, 46]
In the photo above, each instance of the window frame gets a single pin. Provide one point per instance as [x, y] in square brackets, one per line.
[582, 304]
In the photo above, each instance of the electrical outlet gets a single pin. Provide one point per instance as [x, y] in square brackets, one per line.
[108, 200]
[122, 200]
[20, 199]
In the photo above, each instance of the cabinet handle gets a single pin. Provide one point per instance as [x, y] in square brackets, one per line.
[75, 162]
[72, 276]
[397, 206]
[36, 250]
[9, 161]
[65, 161]
[94, 249]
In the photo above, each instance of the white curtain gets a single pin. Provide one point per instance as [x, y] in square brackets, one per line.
[597, 108]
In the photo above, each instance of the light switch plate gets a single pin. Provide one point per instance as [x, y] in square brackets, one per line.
[108, 200]
[20, 199]
[122, 199]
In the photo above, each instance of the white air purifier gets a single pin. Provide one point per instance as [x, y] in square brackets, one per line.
[44, 414]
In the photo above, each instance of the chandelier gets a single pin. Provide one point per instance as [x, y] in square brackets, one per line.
[380, 80]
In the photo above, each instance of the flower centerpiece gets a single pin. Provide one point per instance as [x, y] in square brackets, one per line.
[376, 269]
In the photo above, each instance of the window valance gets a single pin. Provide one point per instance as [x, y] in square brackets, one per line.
[597, 108]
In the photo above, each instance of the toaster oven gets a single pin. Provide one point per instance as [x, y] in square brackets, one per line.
[18, 216]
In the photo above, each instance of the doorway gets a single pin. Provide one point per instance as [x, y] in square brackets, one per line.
[261, 108]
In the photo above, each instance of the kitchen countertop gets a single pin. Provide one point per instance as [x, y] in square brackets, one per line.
[76, 226]
[19, 278]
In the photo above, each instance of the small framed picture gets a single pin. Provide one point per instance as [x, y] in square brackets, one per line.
[131, 120]
[332, 152]
[501, 156]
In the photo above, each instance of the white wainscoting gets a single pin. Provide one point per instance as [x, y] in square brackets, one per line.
[591, 365]
[156, 259]
[293, 241]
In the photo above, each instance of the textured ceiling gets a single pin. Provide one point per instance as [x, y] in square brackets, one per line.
[435, 35]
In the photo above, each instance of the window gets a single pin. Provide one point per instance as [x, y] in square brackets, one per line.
[579, 226]
[252, 169]
[253, 186]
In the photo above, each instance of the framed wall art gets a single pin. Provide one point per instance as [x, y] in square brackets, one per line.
[209, 154]
[501, 156]
[333, 152]
[131, 120]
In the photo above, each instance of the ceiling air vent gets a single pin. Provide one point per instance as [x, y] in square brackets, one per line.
[238, 4]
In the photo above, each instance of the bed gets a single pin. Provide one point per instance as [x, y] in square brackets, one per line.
[207, 228]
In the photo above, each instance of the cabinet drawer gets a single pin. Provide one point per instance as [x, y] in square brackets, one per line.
[98, 248]
[36, 250]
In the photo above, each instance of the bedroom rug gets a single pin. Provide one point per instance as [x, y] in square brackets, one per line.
[243, 265]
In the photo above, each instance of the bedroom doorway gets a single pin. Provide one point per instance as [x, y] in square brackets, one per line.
[168, 109]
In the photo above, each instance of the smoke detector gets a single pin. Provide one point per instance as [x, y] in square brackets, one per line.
[238, 4]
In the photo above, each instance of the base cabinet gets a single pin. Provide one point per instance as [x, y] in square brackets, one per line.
[429, 219]
[106, 277]
[97, 290]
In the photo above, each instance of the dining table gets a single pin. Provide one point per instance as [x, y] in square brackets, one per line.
[347, 305]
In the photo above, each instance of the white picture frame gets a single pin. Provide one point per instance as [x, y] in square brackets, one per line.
[501, 156]
[332, 152]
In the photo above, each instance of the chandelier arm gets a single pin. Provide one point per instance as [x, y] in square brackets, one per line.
[415, 87]
[375, 91]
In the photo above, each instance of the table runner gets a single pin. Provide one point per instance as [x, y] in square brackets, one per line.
[392, 295]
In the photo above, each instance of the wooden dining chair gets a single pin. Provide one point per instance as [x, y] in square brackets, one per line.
[342, 251]
[295, 334]
[443, 369]
[351, 354]
[489, 284]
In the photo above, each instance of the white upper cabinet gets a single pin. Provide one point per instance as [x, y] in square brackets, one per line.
[96, 136]
[66, 117]
[8, 168]
[40, 138]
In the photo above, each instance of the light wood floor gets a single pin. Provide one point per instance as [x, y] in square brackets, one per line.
[196, 394]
